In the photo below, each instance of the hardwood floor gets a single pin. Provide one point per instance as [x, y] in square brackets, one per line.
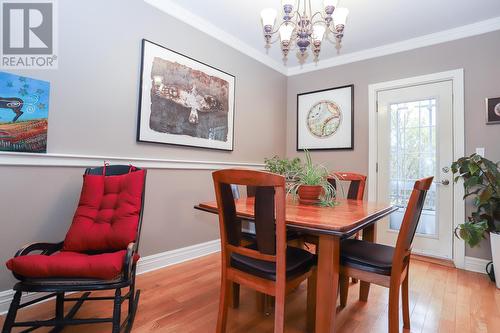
[184, 298]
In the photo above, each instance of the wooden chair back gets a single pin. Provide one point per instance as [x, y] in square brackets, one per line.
[236, 191]
[411, 218]
[356, 186]
[269, 215]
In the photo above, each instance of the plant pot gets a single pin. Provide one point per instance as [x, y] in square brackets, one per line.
[309, 194]
[495, 253]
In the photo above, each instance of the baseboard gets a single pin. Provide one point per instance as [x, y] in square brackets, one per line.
[145, 264]
[476, 264]
[164, 259]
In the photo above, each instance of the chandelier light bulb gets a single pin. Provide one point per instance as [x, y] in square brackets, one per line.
[268, 16]
[318, 32]
[340, 16]
[286, 31]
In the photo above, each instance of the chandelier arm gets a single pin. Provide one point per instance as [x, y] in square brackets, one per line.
[283, 22]
[331, 28]
[321, 20]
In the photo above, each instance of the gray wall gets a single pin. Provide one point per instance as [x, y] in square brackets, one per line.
[93, 110]
[478, 56]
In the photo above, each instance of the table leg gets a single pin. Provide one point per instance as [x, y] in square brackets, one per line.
[369, 235]
[327, 284]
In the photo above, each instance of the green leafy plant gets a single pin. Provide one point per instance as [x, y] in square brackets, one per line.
[284, 166]
[481, 183]
[315, 174]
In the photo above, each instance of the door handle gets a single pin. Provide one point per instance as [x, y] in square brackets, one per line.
[442, 182]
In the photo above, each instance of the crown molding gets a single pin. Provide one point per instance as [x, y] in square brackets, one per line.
[184, 15]
[469, 30]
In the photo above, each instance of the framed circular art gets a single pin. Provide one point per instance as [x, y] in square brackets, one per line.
[325, 119]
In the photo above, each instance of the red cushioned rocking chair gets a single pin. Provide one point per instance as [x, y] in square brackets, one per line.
[98, 253]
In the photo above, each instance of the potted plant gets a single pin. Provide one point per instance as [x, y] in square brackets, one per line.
[481, 183]
[284, 166]
[312, 186]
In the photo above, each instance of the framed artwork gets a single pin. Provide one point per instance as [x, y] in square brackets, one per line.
[24, 112]
[493, 110]
[183, 101]
[325, 119]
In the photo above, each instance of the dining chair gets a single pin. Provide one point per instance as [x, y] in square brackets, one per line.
[268, 265]
[356, 190]
[384, 265]
[357, 183]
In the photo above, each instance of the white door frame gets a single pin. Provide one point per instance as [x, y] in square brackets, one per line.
[457, 78]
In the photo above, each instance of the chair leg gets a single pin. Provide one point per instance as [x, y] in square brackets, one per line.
[311, 301]
[357, 236]
[11, 315]
[364, 291]
[344, 290]
[235, 295]
[59, 312]
[117, 311]
[406, 304]
[279, 312]
[394, 309]
[223, 305]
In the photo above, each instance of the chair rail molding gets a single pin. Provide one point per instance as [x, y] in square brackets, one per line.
[457, 78]
[70, 160]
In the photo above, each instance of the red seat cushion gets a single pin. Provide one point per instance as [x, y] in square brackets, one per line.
[108, 213]
[106, 266]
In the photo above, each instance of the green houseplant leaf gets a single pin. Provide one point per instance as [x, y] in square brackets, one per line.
[481, 181]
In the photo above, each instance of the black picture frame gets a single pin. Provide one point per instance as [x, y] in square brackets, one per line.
[493, 110]
[231, 105]
[351, 114]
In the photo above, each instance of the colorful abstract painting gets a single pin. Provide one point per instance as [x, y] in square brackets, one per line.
[24, 111]
[184, 101]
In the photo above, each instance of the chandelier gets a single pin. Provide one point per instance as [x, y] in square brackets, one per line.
[302, 28]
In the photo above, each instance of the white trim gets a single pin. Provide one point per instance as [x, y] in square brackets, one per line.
[173, 9]
[70, 160]
[475, 264]
[172, 257]
[197, 22]
[457, 77]
[469, 30]
[144, 265]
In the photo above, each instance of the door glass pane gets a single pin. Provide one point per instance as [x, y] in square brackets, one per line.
[413, 156]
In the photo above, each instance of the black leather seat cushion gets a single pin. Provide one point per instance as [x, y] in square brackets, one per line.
[367, 256]
[298, 261]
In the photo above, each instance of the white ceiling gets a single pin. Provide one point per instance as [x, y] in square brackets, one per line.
[370, 24]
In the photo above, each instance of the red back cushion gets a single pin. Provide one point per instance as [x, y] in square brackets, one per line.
[108, 213]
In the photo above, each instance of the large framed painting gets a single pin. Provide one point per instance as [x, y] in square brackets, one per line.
[24, 112]
[183, 101]
[493, 110]
[325, 119]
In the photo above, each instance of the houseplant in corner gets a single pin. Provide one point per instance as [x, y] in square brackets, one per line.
[312, 186]
[482, 184]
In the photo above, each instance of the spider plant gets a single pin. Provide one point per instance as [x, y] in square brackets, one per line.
[314, 175]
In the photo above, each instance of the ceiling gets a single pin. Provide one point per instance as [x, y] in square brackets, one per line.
[371, 24]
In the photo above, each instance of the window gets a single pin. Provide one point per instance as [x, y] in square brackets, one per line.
[413, 156]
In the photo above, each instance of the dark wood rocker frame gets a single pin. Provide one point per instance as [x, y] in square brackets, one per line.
[58, 287]
[230, 276]
[398, 277]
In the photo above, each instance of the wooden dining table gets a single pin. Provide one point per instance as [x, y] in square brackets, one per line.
[330, 225]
